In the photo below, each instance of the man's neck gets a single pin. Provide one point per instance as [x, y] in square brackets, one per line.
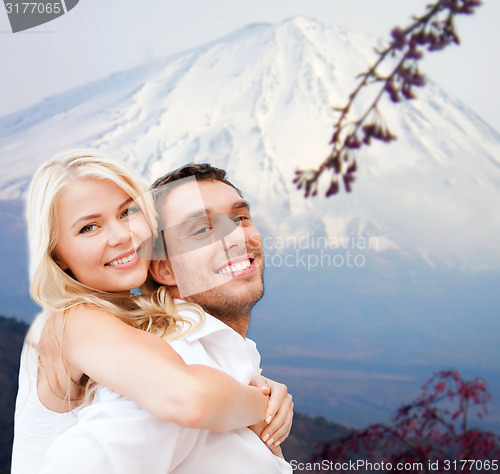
[239, 323]
[234, 316]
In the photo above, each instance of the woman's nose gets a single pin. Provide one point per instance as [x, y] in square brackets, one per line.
[118, 233]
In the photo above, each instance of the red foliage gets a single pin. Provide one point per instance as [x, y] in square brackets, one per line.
[433, 427]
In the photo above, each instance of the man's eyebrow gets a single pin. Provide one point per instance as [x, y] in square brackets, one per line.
[241, 205]
[194, 214]
[96, 216]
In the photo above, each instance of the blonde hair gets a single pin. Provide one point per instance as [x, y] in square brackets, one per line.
[56, 289]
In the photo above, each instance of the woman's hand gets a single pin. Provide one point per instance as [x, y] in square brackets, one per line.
[279, 415]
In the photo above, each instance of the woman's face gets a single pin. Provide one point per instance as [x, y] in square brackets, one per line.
[104, 238]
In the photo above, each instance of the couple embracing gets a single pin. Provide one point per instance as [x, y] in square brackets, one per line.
[158, 381]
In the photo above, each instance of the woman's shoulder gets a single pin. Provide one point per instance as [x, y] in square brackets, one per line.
[80, 313]
[70, 324]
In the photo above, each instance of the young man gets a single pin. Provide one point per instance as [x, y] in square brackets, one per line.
[212, 256]
[213, 249]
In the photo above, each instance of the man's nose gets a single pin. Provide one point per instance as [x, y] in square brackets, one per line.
[233, 235]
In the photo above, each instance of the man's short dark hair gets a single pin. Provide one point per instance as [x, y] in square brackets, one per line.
[201, 171]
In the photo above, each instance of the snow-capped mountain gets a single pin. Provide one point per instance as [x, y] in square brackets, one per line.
[259, 103]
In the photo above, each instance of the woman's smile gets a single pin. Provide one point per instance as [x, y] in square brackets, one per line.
[128, 257]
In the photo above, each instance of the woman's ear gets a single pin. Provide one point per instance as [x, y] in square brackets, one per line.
[162, 273]
[60, 262]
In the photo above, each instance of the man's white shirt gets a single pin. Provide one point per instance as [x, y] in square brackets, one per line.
[115, 435]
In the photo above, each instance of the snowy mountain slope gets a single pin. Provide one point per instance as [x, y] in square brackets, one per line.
[258, 103]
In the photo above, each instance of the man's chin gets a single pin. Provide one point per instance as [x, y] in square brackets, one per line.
[227, 301]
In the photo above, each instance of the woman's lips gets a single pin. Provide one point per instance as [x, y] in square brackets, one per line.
[131, 256]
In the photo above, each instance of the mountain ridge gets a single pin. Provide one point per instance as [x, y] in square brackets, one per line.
[261, 107]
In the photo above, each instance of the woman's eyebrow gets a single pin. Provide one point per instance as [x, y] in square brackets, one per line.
[124, 203]
[95, 216]
[85, 218]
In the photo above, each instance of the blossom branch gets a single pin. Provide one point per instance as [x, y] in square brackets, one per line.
[433, 31]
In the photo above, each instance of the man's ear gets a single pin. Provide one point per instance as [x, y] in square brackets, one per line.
[161, 271]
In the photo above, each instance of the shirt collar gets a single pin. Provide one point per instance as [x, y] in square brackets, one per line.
[213, 332]
[210, 326]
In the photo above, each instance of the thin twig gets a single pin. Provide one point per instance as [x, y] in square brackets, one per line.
[425, 31]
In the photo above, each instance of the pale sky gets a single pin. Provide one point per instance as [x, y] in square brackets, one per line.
[99, 37]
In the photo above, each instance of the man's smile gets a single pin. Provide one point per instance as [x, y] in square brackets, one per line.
[238, 267]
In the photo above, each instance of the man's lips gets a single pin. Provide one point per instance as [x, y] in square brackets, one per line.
[240, 266]
[124, 258]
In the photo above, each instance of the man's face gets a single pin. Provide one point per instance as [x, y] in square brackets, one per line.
[214, 249]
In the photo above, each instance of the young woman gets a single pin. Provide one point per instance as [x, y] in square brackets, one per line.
[90, 224]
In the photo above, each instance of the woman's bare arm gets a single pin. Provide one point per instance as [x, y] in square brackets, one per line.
[144, 368]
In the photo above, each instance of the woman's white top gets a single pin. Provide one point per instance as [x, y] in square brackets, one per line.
[35, 426]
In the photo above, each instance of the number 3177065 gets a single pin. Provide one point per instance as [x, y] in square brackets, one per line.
[463, 464]
[28, 8]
